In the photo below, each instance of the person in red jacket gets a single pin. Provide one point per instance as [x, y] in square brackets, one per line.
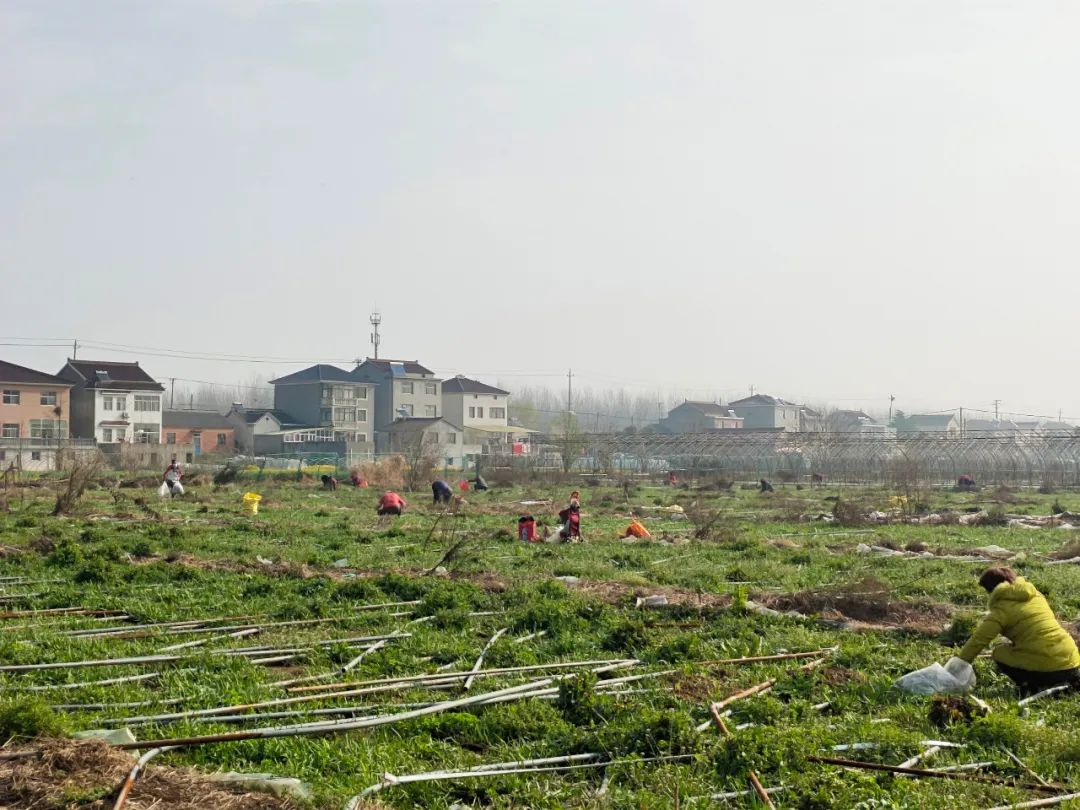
[391, 504]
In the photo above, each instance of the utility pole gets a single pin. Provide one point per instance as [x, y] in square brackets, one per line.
[375, 320]
[961, 420]
[996, 403]
[172, 392]
[892, 399]
[75, 349]
[569, 397]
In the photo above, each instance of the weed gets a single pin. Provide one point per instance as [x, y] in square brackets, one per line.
[25, 718]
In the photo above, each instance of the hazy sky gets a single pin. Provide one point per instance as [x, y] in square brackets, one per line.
[831, 201]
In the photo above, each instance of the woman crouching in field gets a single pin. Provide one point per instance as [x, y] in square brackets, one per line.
[1041, 653]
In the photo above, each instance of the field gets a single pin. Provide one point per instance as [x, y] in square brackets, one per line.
[323, 580]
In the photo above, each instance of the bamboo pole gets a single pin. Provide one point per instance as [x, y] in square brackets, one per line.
[757, 659]
[738, 794]
[1039, 802]
[755, 783]
[129, 782]
[201, 641]
[941, 774]
[1053, 690]
[160, 658]
[370, 722]
[1025, 768]
[499, 769]
[106, 682]
[64, 611]
[290, 701]
[480, 659]
[447, 676]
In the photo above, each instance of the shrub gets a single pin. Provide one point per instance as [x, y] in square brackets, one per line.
[27, 718]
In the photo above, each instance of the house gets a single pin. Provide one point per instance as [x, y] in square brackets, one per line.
[113, 402]
[812, 421]
[857, 422]
[945, 423]
[699, 417]
[483, 411]
[763, 411]
[432, 437]
[330, 398]
[201, 431]
[258, 431]
[34, 414]
[402, 388]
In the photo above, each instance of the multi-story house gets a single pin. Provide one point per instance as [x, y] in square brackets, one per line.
[699, 417]
[34, 412]
[327, 397]
[763, 412]
[402, 389]
[113, 402]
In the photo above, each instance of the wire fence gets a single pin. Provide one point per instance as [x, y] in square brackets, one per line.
[1031, 458]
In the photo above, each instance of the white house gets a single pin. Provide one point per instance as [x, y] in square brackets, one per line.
[113, 402]
[482, 411]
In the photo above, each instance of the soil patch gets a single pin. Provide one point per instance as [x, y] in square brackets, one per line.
[88, 774]
[867, 600]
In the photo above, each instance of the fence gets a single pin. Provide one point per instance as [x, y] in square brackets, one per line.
[1030, 458]
[41, 455]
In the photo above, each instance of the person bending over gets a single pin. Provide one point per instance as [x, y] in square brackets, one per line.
[1040, 652]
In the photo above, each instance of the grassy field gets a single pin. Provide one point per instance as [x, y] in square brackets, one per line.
[313, 555]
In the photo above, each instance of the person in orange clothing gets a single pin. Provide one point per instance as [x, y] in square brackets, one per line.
[391, 504]
[636, 529]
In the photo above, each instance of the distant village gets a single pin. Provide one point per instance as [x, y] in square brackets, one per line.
[379, 407]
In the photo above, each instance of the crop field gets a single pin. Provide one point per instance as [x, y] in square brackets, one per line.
[327, 645]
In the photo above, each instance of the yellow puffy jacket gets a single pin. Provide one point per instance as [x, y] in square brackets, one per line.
[1020, 613]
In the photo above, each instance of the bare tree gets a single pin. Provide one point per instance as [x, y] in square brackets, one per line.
[83, 469]
[422, 452]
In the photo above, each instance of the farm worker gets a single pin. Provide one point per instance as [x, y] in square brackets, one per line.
[441, 492]
[672, 479]
[173, 474]
[636, 529]
[1042, 654]
[570, 517]
[463, 485]
[391, 504]
[357, 480]
[329, 483]
[765, 486]
[479, 484]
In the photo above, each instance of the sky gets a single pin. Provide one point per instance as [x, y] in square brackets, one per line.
[828, 201]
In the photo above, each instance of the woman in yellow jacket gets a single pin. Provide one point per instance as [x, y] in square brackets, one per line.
[1041, 653]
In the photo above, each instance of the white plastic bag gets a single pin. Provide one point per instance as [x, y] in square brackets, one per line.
[954, 678]
[163, 491]
[177, 489]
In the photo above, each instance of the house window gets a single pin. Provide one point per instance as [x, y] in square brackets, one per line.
[451, 438]
[148, 433]
[407, 410]
[9, 432]
[147, 403]
[344, 392]
[188, 457]
[406, 387]
[11, 396]
[497, 413]
[472, 412]
[106, 435]
[48, 397]
[361, 393]
[326, 415]
[221, 440]
[121, 403]
[431, 389]
[361, 414]
[479, 413]
[170, 438]
[106, 403]
[3, 455]
[361, 437]
[35, 455]
[48, 428]
[429, 410]
[344, 414]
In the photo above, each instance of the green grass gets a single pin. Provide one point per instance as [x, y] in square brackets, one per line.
[199, 556]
